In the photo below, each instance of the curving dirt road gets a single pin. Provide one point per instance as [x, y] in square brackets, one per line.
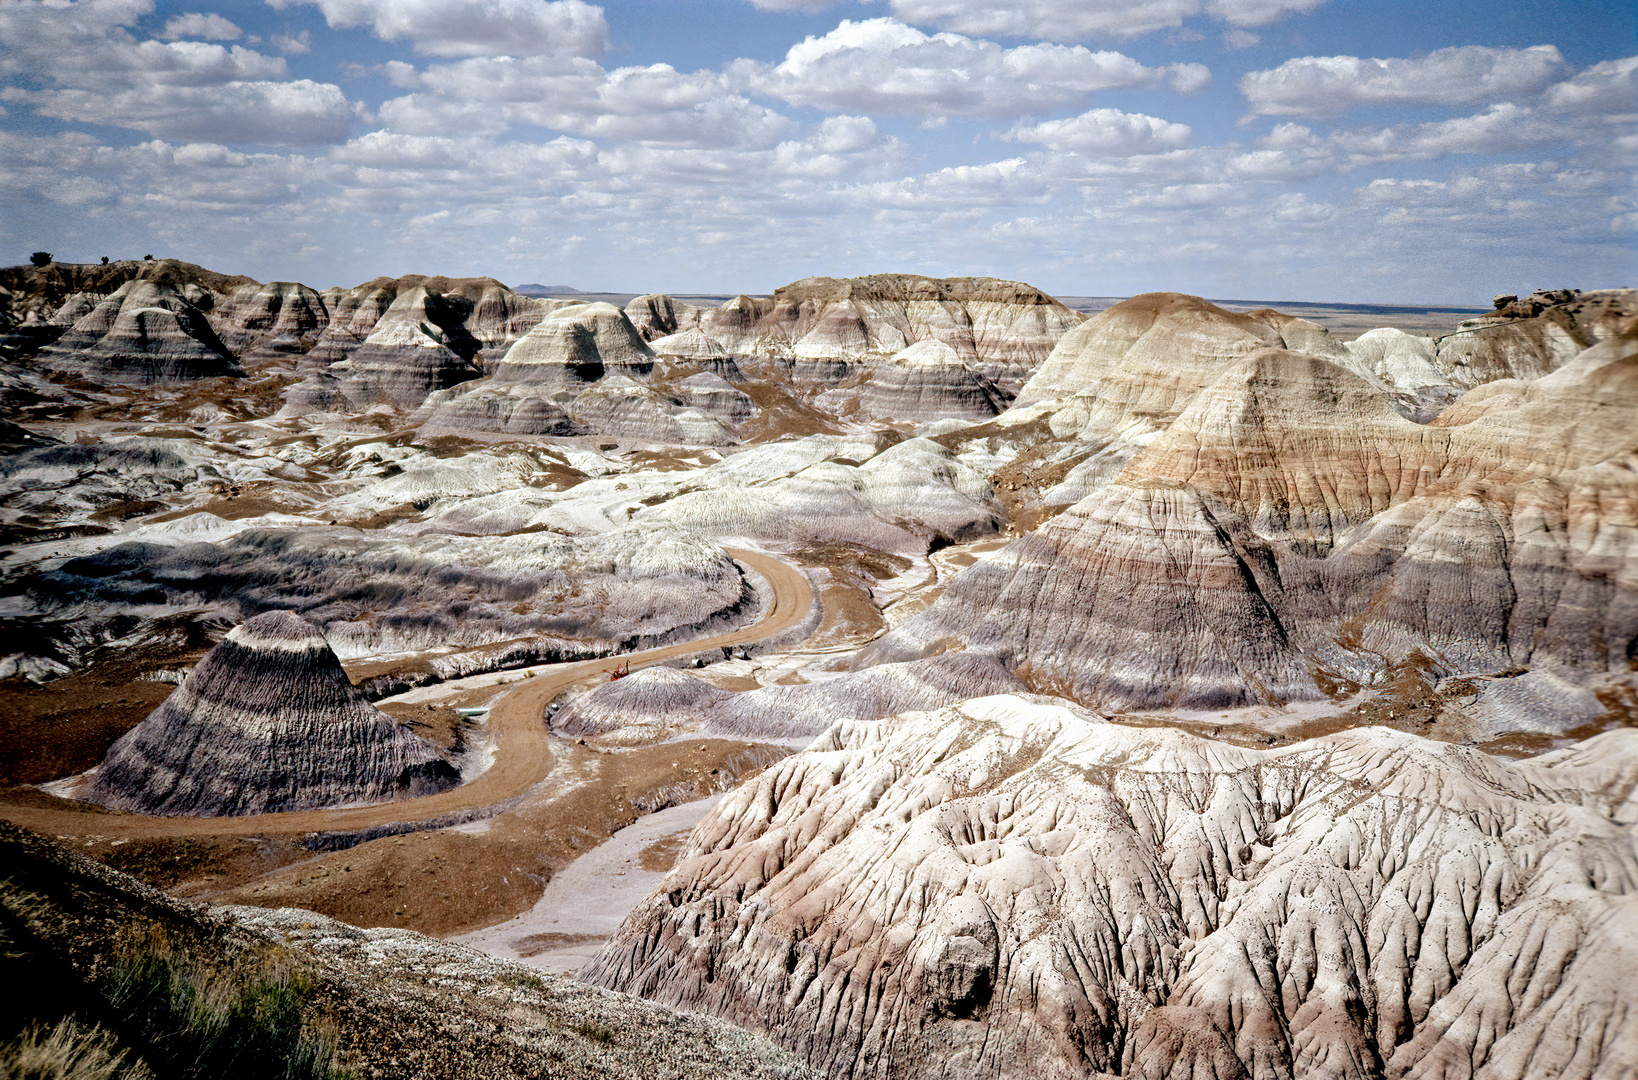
[522, 753]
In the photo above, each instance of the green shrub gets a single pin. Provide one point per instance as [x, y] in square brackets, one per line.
[204, 1023]
[596, 1032]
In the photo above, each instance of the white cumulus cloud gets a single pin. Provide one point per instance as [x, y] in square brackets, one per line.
[1611, 86]
[1463, 75]
[654, 105]
[476, 27]
[1083, 20]
[299, 113]
[207, 26]
[1106, 132]
[883, 66]
[88, 67]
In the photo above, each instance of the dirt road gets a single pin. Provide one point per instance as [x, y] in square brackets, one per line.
[522, 752]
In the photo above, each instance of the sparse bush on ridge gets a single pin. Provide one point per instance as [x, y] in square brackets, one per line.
[69, 1051]
[203, 1021]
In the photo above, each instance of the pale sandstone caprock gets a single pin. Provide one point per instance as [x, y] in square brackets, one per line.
[145, 332]
[267, 722]
[1533, 337]
[1288, 529]
[1009, 888]
[532, 390]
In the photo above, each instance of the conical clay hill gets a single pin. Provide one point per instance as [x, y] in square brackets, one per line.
[267, 722]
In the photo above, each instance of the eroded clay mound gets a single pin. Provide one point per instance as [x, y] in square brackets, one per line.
[1289, 536]
[830, 329]
[534, 388]
[146, 332]
[420, 344]
[267, 722]
[662, 702]
[1009, 888]
[375, 593]
[902, 498]
[264, 322]
[929, 381]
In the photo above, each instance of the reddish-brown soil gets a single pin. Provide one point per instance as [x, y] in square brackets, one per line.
[559, 799]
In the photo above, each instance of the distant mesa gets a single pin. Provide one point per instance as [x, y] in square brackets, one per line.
[267, 722]
[533, 289]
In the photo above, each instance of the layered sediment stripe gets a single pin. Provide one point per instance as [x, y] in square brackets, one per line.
[267, 722]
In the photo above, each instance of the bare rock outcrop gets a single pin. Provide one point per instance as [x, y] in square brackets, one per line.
[691, 347]
[659, 703]
[905, 496]
[1002, 329]
[419, 345]
[1527, 339]
[532, 390]
[622, 408]
[267, 722]
[1289, 536]
[464, 326]
[828, 329]
[145, 332]
[38, 291]
[1010, 888]
[265, 322]
[353, 315]
[715, 396]
[374, 592]
[929, 381]
[656, 315]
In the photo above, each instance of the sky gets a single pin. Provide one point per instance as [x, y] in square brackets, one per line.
[1432, 152]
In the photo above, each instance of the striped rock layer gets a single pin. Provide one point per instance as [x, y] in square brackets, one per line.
[146, 332]
[830, 330]
[1288, 533]
[267, 722]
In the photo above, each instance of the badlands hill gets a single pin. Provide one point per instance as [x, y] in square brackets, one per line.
[1175, 692]
[268, 722]
[1012, 888]
[1289, 536]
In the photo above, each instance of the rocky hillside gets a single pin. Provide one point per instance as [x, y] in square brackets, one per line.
[1254, 525]
[128, 981]
[1013, 888]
